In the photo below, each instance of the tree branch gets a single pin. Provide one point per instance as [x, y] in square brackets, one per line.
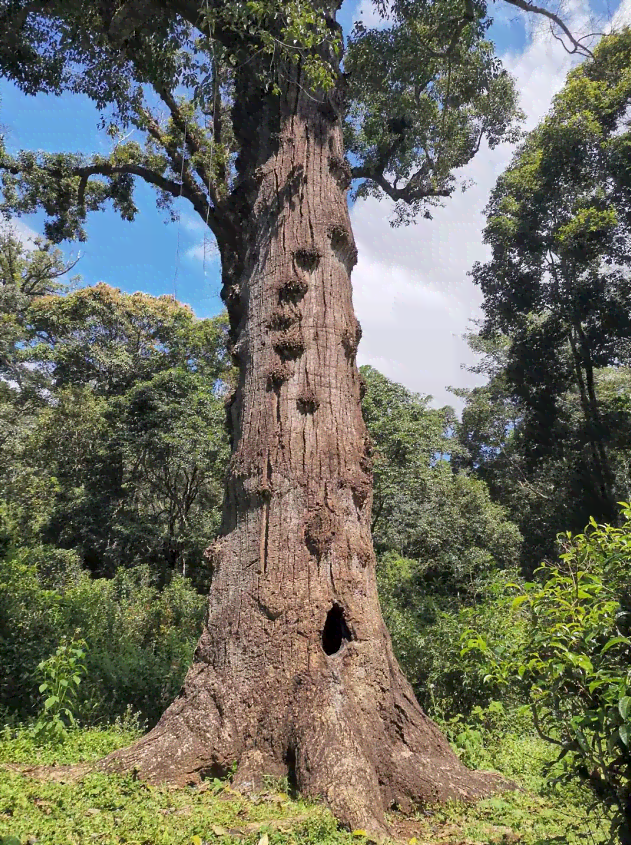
[545, 737]
[176, 189]
[409, 193]
[579, 48]
[193, 143]
[468, 17]
[188, 187]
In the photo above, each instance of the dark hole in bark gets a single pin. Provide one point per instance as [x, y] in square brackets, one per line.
[292, 779]
[213, 771]
[335, 632]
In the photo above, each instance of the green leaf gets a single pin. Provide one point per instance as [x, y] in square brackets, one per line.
[623, 730]
[624, 706]
[583, 662]
[614, 641]
[517, 602]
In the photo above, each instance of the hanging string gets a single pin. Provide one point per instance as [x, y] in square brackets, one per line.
[179, 219]
[212, 155]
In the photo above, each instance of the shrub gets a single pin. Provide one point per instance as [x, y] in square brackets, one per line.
[139, 640]
[572, 668]
[61, 675]
[426, 633]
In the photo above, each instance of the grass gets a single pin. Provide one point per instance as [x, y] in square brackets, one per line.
[114, 810]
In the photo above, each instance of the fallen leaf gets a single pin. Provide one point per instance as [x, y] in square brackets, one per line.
[264, 840]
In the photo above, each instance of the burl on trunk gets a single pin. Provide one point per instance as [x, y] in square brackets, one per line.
[294, 673]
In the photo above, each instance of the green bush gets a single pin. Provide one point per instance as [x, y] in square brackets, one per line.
[573, 666]
[426, 631]
[139, 640]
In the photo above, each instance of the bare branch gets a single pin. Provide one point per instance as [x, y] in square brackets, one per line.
[408, 193]
[577, 47]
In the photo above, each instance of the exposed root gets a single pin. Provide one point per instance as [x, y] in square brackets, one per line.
[362, 747]
[193, 739]
[57, 774]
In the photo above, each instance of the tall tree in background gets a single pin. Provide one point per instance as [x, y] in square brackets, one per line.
[557, 299]
[112, 407]
[423, 510]
[259, 116]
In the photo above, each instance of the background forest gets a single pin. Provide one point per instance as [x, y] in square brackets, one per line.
[508, 615]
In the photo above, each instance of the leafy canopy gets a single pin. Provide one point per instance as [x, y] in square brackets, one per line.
[557, 307]
[194, 78]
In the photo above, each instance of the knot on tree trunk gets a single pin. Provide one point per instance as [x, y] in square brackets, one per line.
[292, 289]
[307, 402]
[340, 169]
[284, 316]
[343, 246]
[319, 531]
[350, 338]
[277, 375]
[308, 258]
[289, 344]
[360, 485]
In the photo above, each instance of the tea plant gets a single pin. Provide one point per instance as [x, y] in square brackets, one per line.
[572, 669]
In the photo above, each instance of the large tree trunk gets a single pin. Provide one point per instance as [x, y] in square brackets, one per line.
[294, 673]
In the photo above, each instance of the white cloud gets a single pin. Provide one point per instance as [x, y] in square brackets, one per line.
[411, 290]
[205, 251]
[20, 230]
[622, 16]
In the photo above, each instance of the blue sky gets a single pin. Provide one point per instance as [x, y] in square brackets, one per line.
[426, 264]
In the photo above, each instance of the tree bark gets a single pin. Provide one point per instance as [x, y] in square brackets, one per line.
[294, 673]
[591, 412]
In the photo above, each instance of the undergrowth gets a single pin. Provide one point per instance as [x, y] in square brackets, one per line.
[114, 810]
